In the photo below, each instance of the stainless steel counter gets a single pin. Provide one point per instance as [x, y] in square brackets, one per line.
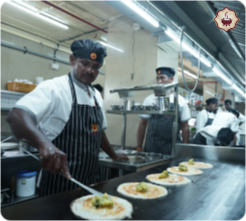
[134, 166]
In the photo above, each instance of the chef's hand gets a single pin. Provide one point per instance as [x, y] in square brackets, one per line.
[54, 160]
[120, 156]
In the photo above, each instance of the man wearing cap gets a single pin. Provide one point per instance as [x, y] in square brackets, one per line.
[222, 131]
[160, 127]
[206, 116]
[64, 119]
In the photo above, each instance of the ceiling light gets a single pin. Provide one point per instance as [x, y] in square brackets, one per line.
[171, 34]
[35, 13]
[238, 90]
[218, 72]
[141, 12]
[110, 46]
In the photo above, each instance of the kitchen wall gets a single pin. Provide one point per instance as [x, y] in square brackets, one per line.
[16, 64]
[140, 57]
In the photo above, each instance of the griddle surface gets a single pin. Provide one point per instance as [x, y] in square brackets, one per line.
[217, 194]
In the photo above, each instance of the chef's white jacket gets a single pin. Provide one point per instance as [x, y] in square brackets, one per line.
[183, 107]
[50, 104]
[202, 118]
[221, 120]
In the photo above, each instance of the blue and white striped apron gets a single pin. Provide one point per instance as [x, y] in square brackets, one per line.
[80, 140]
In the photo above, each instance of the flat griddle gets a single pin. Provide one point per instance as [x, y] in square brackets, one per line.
[217, 194]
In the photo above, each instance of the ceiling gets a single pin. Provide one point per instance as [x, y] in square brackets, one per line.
[97, 13]
[198, 16]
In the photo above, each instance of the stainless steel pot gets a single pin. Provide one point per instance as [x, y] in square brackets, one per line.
[162, 102]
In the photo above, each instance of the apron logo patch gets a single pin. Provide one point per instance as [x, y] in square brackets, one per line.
[94, 128]
[159, 72]
[93, 56]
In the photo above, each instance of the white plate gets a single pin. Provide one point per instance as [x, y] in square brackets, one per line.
[9, 146]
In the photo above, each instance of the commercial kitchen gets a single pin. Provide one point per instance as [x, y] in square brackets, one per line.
[139, 37]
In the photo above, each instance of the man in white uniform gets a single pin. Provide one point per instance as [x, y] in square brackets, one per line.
[160, 127]
[241, 119]
[64, 119]
[222, 131]
[206, 116]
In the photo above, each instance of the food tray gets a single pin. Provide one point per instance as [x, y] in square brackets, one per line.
[20, 87]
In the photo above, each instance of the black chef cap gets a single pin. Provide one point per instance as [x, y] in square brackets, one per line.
[213, 100]
[165, 70]
[235, 112]
[89, 49]
[98, 87]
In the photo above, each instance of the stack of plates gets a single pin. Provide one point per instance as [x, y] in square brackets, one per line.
[9, 146]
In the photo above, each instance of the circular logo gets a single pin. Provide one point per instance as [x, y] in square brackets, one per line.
[93, 56]
[94, 127]
[159, 72]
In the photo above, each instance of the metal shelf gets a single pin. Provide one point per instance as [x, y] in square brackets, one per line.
[169, 112]
[142, 88]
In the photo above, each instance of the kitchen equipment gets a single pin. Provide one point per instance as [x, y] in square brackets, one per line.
[27, 146]
[95, 192]
[8, 138]
[127, 104]
[162, 102]
[242, 139]
[13, 188]
[117, 107]
[25, 183]
[9, 146]
[4, 194]
[20, 87]
[2, 151]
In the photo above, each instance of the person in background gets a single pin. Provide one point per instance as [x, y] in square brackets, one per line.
[206, 116]
[160, 127]
[222, 131]
[241, 119]
[64, 118]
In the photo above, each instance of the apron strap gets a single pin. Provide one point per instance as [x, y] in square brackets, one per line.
[72, 89]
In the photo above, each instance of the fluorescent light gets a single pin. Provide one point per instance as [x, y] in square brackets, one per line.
[110, 46]
[190, 74]
[222, 76]
[238, 90]
[52, 17]
[141, 12]
[187, 47]
[38, 15]
[26, 5]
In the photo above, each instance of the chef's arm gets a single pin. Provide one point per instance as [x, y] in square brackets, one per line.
[107, 148]
[23, 127]
[185, 131]
[141, 132]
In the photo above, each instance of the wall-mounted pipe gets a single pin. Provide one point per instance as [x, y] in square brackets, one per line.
[74, 16]
[25, 50]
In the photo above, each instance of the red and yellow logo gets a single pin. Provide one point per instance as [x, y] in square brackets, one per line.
[93, 56]
[159, 72]
[226, 19]
[94, 128]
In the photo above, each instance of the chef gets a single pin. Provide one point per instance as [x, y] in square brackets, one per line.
[222, 131]
[160, 127]
[64, 119]
[241, 119]
[206, 116]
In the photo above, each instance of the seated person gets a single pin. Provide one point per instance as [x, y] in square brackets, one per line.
[222, 131]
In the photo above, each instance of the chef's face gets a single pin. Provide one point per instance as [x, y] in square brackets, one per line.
[163, 79]
[213, 107]
[227, 106]
[84, 70]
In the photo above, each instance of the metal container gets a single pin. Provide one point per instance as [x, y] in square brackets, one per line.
[242, 139]
[162, 102]
[117, 107]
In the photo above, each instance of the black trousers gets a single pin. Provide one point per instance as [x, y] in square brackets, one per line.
[199, 139]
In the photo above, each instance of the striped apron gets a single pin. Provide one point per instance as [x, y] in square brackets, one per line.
[80, 140]
[159, 134]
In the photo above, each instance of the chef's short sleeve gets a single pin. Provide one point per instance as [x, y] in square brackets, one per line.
[40, 102]
[185, 111]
